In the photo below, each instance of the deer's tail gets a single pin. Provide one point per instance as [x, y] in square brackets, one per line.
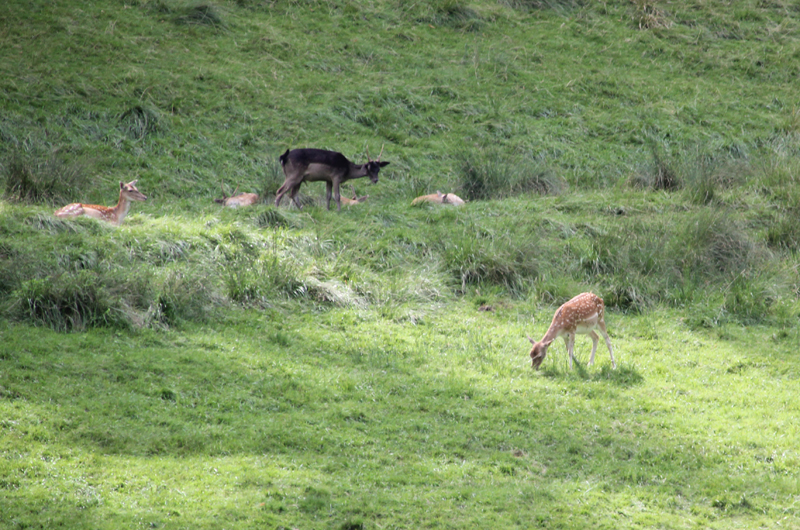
[284, 158]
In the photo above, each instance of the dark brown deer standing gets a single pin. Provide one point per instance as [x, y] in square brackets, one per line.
[313, 165]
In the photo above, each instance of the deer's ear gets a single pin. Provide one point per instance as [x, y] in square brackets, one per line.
[548, 343]
[530, 339]
[382, 164]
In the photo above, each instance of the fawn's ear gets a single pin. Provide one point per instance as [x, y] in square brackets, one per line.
[530, 339]
[548, 343]
[121, 185]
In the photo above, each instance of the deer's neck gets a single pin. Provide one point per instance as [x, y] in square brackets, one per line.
[118, 212]
[356, 171]
[553, 332]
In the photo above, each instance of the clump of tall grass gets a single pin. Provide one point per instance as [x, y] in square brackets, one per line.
[698, 170]
[704, 174]
[257, 281]
[451, 13]
[784, 232]
[140, 120]
[492, 174]
[272, 180]
[35, 176]
[67, 302]
[660, 174]
[271, 218]
[648, 15]
[201, 15]
[187, 294]
[555, 5]
[474, 260]
[710, 244]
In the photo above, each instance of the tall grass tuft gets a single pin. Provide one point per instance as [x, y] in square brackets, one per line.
[139, 121]
[187, 294]
[711, 245]
[649, 15]
[201, 15]
[273, 179]
[452, 13]
[660, 174]
[492, 174]
[68, 302]
[271, 218]
[555, 5]
[36, 177]
[784, 232]
[703, 174]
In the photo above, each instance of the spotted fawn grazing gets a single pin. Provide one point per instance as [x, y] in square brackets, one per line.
[581, 315]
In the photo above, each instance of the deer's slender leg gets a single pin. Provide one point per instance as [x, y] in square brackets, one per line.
[293, 196]
[594, 338]
[602, 327]
[569, 338]
[336, 196]
[328, 192]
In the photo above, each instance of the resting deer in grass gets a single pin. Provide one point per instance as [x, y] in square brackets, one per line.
[243, 199]
[355, 200]
[115, 215]
[439, 198]
[312, 165]
[581, 315]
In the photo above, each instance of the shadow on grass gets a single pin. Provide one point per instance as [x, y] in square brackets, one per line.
[623, 376]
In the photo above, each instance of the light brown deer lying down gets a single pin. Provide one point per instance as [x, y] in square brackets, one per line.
[581, 315]
[243, 199]
[439, 198]
[115, 215]
[355, 200]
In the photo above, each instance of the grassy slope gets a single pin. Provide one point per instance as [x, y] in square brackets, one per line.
[582, 91]
[358, 384]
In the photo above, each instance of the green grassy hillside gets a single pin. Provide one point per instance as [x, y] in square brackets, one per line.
[275, 368]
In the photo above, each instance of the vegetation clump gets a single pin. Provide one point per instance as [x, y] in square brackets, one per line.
[42, 178]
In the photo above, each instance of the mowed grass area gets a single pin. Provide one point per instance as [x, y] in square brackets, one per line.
[275, 368]
[343, 419]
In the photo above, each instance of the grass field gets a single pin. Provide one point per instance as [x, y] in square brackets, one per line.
[275, 368]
